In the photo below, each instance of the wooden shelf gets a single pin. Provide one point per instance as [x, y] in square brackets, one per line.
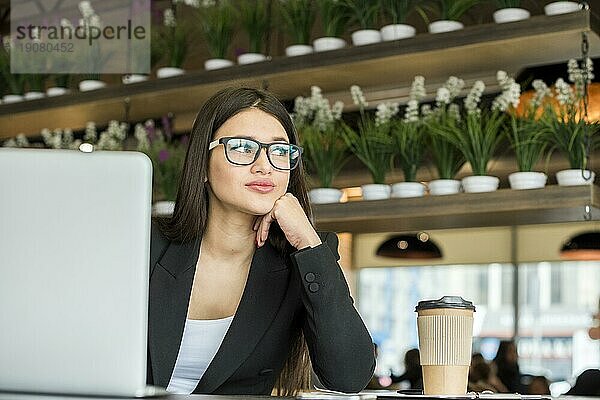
[504, 207]
[475, 51]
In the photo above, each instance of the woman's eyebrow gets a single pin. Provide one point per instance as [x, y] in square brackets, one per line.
[274, 139]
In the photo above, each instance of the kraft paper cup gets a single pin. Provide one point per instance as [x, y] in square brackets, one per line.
[445, 329]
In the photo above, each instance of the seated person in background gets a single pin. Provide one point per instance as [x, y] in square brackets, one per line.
[483, 377]
[378, 382]
[507, 365]
[587, 384]
[412, 373]
[539, 385]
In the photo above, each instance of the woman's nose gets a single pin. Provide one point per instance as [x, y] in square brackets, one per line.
[262, 163]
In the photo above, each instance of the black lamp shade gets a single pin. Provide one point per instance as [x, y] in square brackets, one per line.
[410, 246]
[585, 246]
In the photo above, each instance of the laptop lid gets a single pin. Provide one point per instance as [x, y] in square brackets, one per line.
[74, 255]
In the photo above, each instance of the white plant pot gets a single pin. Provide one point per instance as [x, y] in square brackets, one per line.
[445, 26]
[575, 177]
[217, 63]
[442, 187]
[480, 183]
[91, 84]
[375, 191]
[298, 50]
[325, 195]
[510, 15]
[408, 189]
[561, 7]
[251, 58]
[397, 32]
[163, 208]
[527, 180]
[366, 36]
[133, 78]
[328, 43]
[34, 95]
[56, 91]
[12, 98]
[167, 72]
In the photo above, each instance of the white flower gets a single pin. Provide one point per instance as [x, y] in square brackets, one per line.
[7, 42]
[21, 140]
[90, 132]
[337, 109]
[411, 114]
[169, 18]
[385, 112]
[474, 97]
[35, 34]
[357, 96]
[454, 86]
[442, 97]
[541, 92]
[10, 143]
[564, 92]
[85, 7]
[426, 110]
[454, 111]
[417, 90]
[95, 21]
[141, 135]
[511, 93]
[66, 23]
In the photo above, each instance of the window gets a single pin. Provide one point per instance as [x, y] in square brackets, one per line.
[556, 302]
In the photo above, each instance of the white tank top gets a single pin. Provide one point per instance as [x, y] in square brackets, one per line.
[200, 342]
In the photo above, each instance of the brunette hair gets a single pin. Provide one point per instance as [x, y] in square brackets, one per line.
[190, 215]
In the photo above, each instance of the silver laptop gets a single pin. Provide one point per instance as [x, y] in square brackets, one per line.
[74, 255]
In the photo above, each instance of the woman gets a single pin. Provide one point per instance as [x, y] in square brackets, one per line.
[506, 363]
[239, 272]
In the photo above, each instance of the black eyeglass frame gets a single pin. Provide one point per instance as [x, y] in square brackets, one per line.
[261, 145]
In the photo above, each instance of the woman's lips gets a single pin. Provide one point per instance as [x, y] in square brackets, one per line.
[260, 187]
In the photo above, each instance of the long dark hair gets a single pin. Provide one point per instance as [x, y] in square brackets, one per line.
[190, 216]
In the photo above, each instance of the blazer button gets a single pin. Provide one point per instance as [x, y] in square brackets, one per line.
[309, 277]
[313, 287]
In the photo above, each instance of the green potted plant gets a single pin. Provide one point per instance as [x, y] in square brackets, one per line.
[298, 18]
[218, 22]
[449, 13]
[408, 137]
[167, 156]
[173, 41]
[567, 130]
[334, 20]
[93, 58]
[35, 85]
[325, 151]
[364, 13]
[371, 143]
[447, 158]
[509, 11]
[396, 12]
[527, 138]
[255, 21]
[15, 83]
[477, 134]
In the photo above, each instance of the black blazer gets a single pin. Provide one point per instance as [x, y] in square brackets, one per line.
[307, 291]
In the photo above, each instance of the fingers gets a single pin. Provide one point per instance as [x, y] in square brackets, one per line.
[263, 230]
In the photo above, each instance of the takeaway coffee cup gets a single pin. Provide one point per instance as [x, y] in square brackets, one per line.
[445, 329]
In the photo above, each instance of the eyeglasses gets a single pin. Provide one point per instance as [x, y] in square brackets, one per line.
[244, 151]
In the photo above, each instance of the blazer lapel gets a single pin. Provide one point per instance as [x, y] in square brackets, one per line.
[170, 290]
[262, 297]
